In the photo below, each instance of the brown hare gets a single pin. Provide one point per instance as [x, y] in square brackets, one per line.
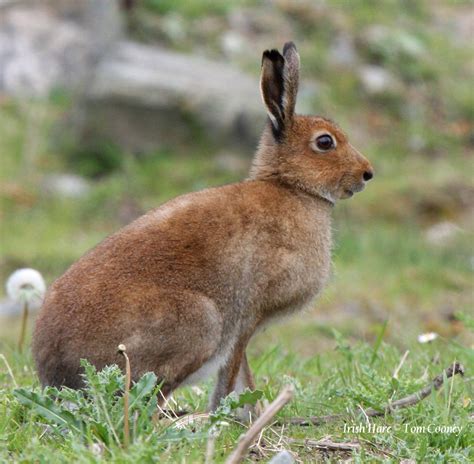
[185, 286]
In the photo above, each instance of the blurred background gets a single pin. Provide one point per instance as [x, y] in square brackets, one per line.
[108, 109]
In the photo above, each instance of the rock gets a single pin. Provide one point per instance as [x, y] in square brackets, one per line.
[376, 80]
[53, 44]
[342, 51]
[66, 185]
[143, 97]
[283, 457]
[232, 43]
[442, 233]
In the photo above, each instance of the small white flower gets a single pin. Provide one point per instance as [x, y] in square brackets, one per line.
[427, 337]
[26, 285]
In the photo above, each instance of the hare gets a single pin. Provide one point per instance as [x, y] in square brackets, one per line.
[185, 286]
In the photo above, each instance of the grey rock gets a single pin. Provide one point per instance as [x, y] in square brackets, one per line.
[377, 80]
[44, 45]
[232, 43]
[442, 233]
[283, 457]
[143, 97]
[66, 185]
[342, 51]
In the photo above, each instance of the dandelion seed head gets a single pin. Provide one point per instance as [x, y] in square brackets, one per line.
[26, 286]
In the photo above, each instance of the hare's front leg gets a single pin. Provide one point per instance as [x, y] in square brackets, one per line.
[236, 376]
[244, 377]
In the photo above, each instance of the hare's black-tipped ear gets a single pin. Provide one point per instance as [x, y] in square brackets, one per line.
[272, 88]
[279, 86]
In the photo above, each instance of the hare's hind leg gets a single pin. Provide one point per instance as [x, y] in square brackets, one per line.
[177, 338]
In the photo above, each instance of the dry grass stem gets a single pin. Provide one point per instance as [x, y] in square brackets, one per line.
[253, 432]
[9, 369]
[402, 361]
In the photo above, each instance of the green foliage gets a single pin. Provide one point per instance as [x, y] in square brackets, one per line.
[86, 425]
[96, 161]
[194, 8]
[95, 413]
[232, 402]
[467, 320]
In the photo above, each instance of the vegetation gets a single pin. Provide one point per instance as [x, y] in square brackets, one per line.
[63, 426]
[395, 276]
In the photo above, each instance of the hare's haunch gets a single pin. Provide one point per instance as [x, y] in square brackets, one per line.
[186, 286]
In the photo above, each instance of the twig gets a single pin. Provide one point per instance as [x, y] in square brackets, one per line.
[325, 444]
[268, 414]
[126, 423]
[24, 318]
[376, 447]
[405, 402]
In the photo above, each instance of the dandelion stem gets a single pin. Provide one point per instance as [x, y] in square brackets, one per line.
[126, 423]
[24, 319]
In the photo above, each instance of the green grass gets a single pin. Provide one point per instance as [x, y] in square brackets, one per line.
[347, 377]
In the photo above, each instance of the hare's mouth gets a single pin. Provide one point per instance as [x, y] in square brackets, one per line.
[349, 192]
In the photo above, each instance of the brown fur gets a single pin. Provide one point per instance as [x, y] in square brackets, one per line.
[186, 286]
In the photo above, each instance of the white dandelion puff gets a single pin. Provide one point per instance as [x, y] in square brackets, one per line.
[26, 286]
[427, 337]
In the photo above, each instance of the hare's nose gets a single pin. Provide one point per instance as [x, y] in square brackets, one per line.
[368, 175]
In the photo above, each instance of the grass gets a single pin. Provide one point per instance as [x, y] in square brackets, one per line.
[348, 377]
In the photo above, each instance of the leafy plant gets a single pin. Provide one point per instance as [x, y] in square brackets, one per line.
[232, 402]
[96, 412]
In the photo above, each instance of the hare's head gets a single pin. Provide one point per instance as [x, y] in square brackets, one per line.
[308, 152]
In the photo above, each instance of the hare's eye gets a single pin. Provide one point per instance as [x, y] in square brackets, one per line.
[324, 142]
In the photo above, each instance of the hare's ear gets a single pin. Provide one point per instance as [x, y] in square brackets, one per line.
[271, 87]
[291, 74]
[279, 86]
